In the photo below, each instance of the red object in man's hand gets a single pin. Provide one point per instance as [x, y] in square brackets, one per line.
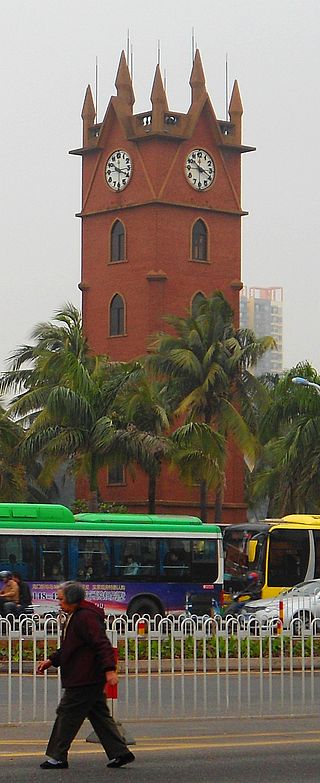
[111, 691]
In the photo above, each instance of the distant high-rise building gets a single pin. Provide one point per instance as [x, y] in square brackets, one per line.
[261, 309]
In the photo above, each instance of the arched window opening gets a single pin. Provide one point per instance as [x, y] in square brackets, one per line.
[199, 241]
[196, 302]
[117, 316]
[117, 241]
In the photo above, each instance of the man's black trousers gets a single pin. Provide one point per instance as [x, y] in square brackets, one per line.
[76, 704]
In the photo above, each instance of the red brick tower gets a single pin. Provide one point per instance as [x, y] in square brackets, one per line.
[161, 223]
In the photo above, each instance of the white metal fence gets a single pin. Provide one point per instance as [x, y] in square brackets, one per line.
[173, 667]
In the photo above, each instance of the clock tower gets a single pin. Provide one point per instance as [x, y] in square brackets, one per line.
[161, 226]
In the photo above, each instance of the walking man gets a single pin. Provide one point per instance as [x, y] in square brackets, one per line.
[87, 663]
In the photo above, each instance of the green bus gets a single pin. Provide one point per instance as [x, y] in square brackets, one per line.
[133, 563]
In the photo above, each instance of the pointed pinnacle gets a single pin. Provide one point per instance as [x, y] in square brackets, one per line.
[197, 79]
[235, 106]
[88, 108]
[158, 94]
[123, 81]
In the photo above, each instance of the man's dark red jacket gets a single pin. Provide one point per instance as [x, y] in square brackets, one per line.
[85, 653]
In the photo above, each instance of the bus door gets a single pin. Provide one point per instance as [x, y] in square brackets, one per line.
[290, 559]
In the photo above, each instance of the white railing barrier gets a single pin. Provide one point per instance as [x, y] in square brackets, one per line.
[173, 666]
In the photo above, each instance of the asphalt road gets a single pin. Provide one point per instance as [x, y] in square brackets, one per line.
[246, 751]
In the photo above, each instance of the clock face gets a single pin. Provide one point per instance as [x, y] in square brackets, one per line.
[118, 170]
[200, 169]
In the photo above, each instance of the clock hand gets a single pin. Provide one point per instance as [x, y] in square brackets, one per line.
[116, 168]
[202, 171]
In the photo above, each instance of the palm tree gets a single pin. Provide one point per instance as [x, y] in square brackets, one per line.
[140, 423]
[288, 472]
[61, 391]
[66, 428]
[60, 354]
[199, 453]
[65, 395]
[207, 365]
[13, 480]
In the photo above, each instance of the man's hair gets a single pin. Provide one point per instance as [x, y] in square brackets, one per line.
[73, 592]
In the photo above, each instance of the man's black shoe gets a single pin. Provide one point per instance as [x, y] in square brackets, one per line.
[120, 761]
[58, 765]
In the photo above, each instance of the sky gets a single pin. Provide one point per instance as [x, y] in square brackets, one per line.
[48, 51]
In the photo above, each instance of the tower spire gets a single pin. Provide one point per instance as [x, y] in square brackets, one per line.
[236, 112]
[158, 100]
[123, 84]
[197, 79]
[88, 115]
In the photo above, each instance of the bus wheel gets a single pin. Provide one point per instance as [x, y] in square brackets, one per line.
[144, 606]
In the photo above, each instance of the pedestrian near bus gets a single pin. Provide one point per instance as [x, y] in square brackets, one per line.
[24, 598]
[9, 594]
[87, 663]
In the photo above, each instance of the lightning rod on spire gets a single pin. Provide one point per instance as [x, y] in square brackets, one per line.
[96, 88]
[227, 87]
[131, 61]
[192, 45]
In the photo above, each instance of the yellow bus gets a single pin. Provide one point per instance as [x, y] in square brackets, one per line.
[282, 552]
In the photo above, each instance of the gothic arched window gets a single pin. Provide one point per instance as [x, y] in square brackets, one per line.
[117, 241]
[196, 302]
[116, 316]
[199, 241]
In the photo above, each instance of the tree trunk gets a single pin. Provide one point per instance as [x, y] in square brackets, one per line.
[93, 502]
[203, 500]
[93, 487]
[218, 506]
[152, 493]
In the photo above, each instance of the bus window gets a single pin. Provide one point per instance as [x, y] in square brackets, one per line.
[204, 561]
[175, 559]
[91, 559]
[288, 557]
[135, 557]
[52, 558]
[148, 558]
[17, 553]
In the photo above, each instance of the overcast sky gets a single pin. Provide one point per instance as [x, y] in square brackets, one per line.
[47, 53]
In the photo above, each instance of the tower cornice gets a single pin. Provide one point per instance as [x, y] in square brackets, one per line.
[161, 203]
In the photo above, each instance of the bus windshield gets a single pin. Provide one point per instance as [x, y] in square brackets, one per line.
[236, 552]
